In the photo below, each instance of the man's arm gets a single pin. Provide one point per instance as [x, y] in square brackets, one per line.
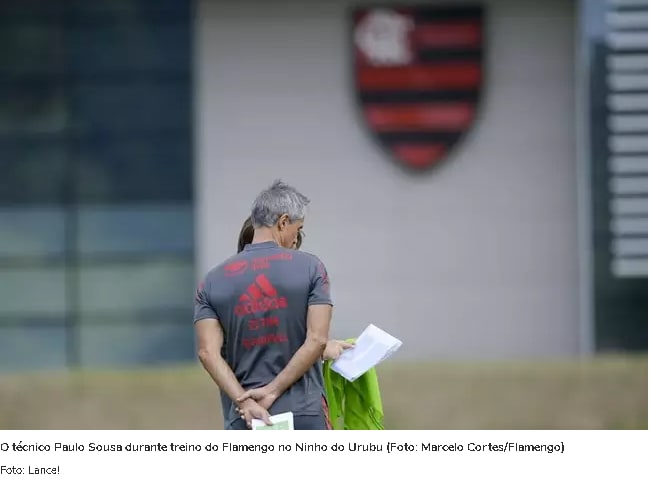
[210, 338]
[318, 329]
[319, 313]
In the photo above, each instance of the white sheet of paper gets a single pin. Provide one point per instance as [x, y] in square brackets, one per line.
[281, 421]
[371, 348]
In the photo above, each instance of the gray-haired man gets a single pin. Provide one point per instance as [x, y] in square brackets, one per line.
[269, 307]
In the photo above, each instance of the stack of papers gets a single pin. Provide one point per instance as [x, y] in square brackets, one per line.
[281, 421]
[371, 348]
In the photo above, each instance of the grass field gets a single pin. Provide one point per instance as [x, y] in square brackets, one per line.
[605, 393]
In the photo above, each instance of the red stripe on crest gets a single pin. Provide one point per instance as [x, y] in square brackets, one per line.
[447, 35]
[419, 155]
[457, 75]
[422, 117]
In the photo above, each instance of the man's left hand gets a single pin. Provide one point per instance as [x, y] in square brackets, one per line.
[264, 395]
[334, 349]
[250, 409]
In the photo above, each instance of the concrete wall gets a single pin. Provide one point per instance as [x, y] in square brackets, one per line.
[478, 259]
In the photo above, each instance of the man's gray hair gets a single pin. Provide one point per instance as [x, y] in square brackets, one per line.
[273, 202]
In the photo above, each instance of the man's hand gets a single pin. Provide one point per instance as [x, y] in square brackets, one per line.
[334, 349]
[250, 409]
[265, 396]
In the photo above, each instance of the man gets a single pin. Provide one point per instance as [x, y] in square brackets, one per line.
[333, 349]
[269, 308]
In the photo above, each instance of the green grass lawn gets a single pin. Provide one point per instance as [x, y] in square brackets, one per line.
[605, 393]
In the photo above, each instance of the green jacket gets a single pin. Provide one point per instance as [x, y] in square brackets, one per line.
[353, 405]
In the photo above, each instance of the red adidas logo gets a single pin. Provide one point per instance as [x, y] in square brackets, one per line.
[260, 296]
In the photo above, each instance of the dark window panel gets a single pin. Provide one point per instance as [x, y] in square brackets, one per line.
[136, 106]
[33, 172]
[32, 107]
[135, 288]
[33, 291]
[32, 232]
[145, 228]
[14, 11]
[125, 171]
[129, 10]
[30, 48]
[32, 344]
[126, 341]
[116, 48]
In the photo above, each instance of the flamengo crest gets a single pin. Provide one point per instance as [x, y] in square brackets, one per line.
[418, 73]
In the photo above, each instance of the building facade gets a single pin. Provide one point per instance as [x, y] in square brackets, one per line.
[138, 133]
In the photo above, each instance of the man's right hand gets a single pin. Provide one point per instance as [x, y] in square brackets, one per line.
[250, 409]
[265, 396]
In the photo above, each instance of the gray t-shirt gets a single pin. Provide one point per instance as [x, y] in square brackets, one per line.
[260, 297]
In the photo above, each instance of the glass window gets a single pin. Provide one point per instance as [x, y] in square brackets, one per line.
[32, 172]
[134, 342]
[30, 10]
[95, 137]
[31, 67]
[32, 291]
[32, 232]
[133, 10]
[144, 46]
[32, 345]
[36, 44]
[35, 106]
[137, 287]
[162, 228]
[132, 107]
[151, 169]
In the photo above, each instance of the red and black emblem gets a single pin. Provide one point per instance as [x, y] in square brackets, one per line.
[418, 72]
